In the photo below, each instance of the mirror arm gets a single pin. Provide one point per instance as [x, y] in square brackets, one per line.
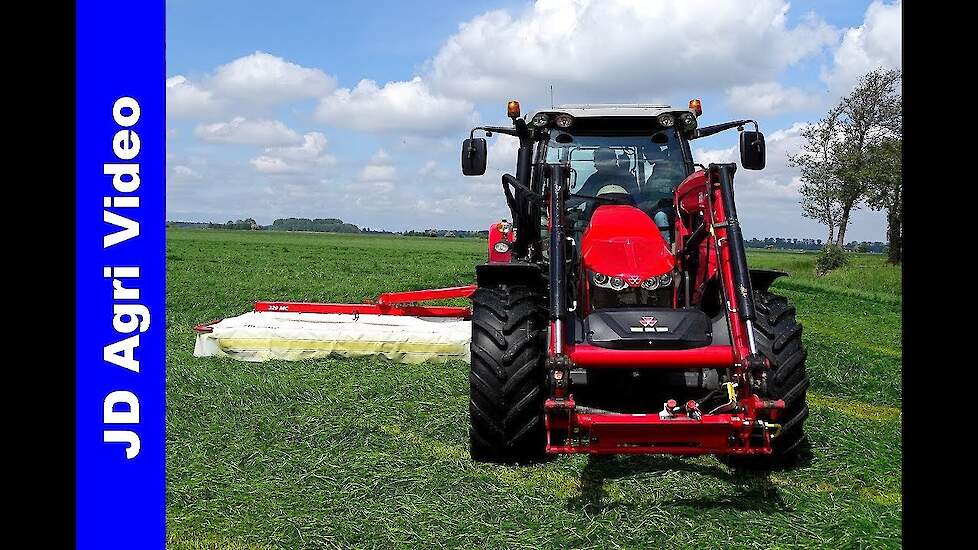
[490, 129]
[717, 128]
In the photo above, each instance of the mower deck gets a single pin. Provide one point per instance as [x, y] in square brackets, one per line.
[393, 326]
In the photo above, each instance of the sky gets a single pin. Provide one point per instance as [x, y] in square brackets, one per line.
[357, 110]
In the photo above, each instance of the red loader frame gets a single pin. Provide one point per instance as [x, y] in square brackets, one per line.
[735, 427]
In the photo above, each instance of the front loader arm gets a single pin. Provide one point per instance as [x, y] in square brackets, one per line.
[734, 274]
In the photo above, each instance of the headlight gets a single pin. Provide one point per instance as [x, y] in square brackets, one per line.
[564, 121]
[617, 283]
[540, 119]
[667, 119]
[651, 283]
[600, 279]
[687, 120]
[665, 280]
[502, 247]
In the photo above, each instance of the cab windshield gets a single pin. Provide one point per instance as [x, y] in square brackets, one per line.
[638, 170]
[644, 169]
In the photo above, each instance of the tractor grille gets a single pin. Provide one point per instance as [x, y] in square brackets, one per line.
[606, 298]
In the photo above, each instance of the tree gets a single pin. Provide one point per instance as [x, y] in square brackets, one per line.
[820, 185]
[840, 168]
[871, 114]
[886, 192]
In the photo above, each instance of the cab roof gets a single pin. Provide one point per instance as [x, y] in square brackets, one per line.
[613, 110]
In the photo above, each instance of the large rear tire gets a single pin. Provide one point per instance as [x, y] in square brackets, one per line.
[777, 335]
[506, 377]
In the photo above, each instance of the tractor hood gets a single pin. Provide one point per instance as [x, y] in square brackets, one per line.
[622, 241]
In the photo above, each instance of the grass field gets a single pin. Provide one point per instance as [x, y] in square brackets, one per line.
[369, 453]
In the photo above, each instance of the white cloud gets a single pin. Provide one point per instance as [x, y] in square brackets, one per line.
[180, 173]
[272, 165]
[184, 99]
[397, 106]
[185, 171]
[428, 168]
[265, 78]
[432, 170]
[771, 98]
[296, 159]
[381, 157]
[374, 173]
[312, 149]
[379, 175]
[621, 50]
[876, 43]
[250, 132]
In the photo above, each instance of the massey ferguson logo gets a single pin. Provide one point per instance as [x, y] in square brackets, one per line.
[649, 324]
[634, 280]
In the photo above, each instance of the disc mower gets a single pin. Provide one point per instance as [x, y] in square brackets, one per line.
[617, 312]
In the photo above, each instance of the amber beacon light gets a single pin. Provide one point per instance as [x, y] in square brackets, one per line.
[513, 109]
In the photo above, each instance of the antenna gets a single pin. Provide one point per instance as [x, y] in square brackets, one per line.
[551, 96]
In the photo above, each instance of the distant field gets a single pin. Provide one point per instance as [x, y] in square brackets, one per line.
[369, 453]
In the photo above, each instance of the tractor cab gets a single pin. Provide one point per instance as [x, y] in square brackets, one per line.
[624, 165]
[619, 156]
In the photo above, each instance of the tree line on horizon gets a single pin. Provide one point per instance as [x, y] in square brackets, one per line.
[335, 225]
[324, 225]
[782, 243]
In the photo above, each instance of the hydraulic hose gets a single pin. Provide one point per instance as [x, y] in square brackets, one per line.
[558, 180]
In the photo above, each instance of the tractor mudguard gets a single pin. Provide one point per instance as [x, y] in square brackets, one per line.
[492, 274]
[761, 279]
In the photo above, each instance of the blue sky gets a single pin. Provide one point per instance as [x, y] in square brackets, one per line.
[356, 110]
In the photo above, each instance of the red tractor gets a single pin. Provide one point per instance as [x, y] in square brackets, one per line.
[617, 313]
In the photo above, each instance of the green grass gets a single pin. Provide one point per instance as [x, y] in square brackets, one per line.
[373, 454]
[867, 275]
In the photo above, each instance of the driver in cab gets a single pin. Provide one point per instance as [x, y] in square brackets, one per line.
[609, 176]
[611, 181]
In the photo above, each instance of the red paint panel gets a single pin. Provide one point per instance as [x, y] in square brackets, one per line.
[500, 232]
[425, 295]
[609, 433]
[596, 357]
[691, 193]
[623, 241]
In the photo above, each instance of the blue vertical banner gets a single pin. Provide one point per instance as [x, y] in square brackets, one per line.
[120, 279]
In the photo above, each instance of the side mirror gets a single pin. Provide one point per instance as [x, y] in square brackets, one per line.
[474, 157]
[752, 153]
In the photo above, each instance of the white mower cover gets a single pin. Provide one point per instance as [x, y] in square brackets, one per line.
[261, 336]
